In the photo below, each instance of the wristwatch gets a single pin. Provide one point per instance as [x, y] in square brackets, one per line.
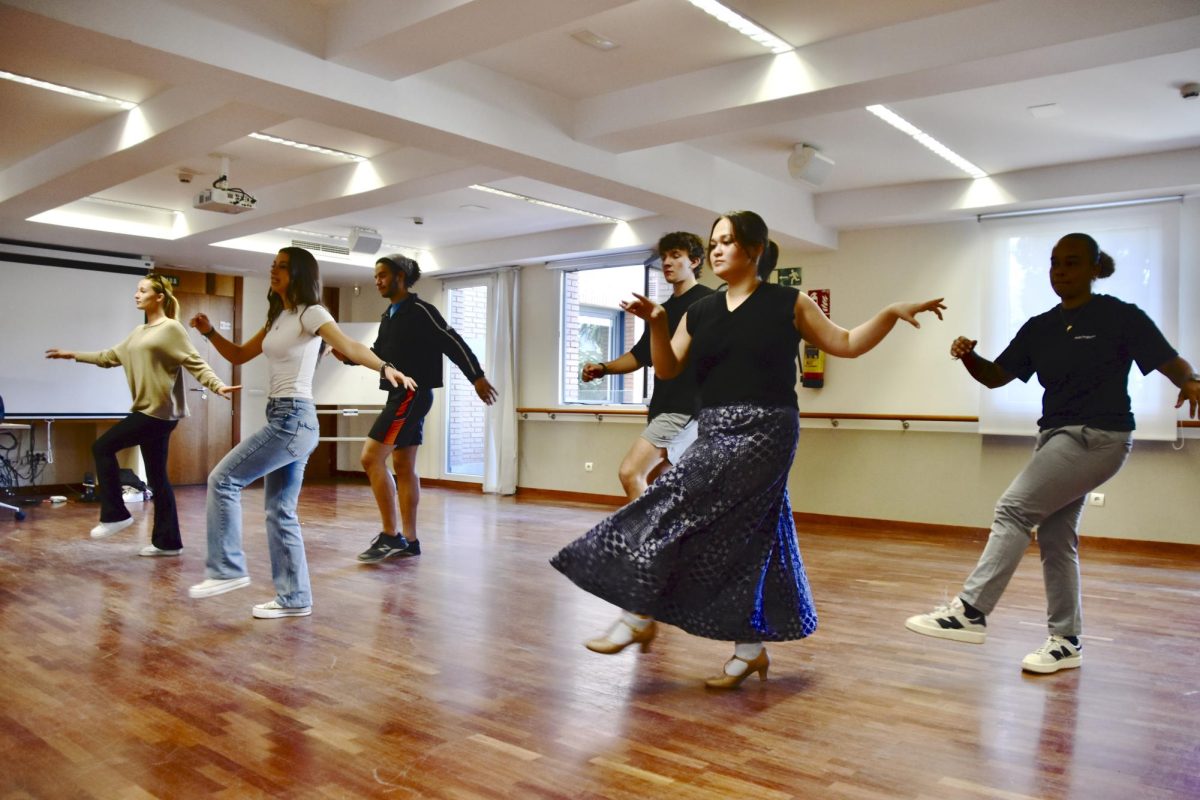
[386, 364]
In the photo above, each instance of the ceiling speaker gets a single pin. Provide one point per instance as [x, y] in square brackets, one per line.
[808, 165]
[365, 240]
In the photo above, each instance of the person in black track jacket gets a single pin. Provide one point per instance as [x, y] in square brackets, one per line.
[413, 336]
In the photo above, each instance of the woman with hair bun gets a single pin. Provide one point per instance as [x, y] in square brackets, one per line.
[152, 356]
[1081, 350]
[297, 329]
[711, 545]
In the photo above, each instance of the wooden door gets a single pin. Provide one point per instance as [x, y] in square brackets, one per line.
[203, 439]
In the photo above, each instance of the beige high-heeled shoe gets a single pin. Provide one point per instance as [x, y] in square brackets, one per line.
[757, 664]
[641, 637]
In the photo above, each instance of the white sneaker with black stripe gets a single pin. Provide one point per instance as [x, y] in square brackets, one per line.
[950, 621]
[1059, 652]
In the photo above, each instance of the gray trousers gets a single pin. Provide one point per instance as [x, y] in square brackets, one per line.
[1048, 495]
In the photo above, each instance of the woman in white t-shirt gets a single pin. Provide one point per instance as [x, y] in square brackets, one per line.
[291, 340]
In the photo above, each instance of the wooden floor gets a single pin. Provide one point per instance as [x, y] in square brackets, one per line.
[461, 674]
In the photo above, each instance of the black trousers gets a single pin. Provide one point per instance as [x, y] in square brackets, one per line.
[153, 436]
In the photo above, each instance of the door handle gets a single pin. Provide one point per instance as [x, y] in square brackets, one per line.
[203, 393]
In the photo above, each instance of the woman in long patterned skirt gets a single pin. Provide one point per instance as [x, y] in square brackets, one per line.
[711, 546]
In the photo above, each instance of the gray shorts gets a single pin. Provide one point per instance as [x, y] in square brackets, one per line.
[673, 433]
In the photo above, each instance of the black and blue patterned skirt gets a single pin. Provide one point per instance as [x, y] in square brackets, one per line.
[711, 545]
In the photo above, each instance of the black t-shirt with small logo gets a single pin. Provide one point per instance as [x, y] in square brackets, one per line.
[1085, 370]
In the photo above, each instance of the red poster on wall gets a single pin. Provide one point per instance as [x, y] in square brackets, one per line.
[813, 361]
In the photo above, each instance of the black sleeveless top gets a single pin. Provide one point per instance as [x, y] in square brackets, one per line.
[747, 355]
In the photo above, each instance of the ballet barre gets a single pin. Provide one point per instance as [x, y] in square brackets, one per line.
[905, 420]
[348, 413]
[582, 414]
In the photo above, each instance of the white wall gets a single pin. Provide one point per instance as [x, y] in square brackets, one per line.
[255, 376]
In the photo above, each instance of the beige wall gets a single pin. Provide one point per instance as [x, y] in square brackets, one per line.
[951, 476]
[946, 477]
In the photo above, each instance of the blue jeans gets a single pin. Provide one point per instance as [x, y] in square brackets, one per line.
[279, 451]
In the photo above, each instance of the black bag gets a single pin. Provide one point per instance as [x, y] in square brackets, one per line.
[129, 478]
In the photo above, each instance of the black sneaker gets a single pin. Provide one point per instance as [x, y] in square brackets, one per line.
[385, 546]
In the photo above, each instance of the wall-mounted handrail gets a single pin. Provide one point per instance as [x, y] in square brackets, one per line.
[832, 416]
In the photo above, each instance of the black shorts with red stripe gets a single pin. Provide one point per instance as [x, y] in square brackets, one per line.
[403, 417]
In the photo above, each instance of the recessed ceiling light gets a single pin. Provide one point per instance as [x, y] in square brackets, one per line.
[593, 39]
[900, 123]
[751, 30]
[327, 151]
[55, 87]
[544, 203]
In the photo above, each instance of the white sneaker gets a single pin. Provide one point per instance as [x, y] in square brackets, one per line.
[215, 586]
[151, 550]
[1057, 653]
[105, 529]
[949, 621]
[272, 610]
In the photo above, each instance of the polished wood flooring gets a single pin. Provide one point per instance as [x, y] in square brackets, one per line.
[460, 674]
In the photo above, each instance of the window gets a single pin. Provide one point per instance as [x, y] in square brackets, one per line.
[1144, 243]
[466, 416]
[595, 328]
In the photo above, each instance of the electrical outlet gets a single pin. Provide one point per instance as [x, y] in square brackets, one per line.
[1095, 499]
[588, 466]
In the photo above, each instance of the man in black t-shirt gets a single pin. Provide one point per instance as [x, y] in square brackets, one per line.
[672, 426]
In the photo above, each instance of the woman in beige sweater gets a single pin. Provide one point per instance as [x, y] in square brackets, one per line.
[152, 356]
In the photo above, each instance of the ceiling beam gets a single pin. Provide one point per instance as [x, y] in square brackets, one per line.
[168, 128]
[921, 58]
[392, 40]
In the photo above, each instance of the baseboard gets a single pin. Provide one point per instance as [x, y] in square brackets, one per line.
[804, 518]
[557, 495]
[1190, 552]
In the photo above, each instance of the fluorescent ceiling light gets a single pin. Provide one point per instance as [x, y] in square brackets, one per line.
[743, 26]
[900, 123]
[328, 151]
[1033, 212]
[54, 87]
[544, 203]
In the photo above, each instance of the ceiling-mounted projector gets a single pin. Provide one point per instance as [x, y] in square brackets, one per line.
[223, 200]
[365, 240]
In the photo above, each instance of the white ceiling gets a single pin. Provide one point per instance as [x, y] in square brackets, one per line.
[684, 119]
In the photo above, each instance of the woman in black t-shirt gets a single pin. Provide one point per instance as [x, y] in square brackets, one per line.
[1081, 351]
[711, 545]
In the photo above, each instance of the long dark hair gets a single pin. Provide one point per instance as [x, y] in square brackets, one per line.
[750, 232]
[304, 284]
[1100, 258]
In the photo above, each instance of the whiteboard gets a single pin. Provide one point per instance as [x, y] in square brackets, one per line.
[338, 384]
[72, 309]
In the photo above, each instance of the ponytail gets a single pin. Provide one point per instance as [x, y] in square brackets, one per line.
[163, 286]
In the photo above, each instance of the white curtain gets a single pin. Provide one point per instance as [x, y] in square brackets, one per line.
[500, 436]
[1145, 243]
